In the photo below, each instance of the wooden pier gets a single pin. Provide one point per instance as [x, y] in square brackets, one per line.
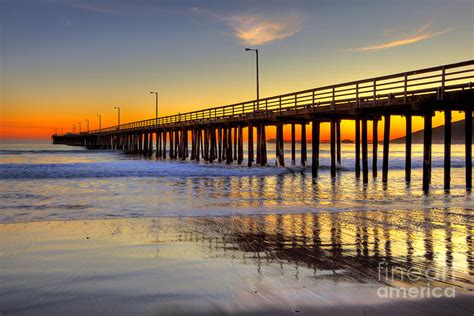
[216, 134]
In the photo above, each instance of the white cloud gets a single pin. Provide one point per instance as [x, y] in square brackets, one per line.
[421, 34]
[256, 30]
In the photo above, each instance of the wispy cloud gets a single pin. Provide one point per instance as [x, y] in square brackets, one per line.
[423, 33]
[256, 30]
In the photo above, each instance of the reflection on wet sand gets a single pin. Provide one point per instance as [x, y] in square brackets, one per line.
[235, 264]
[349, 244]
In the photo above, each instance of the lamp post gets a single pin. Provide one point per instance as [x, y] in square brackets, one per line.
[87, 124]
[256, 55]
[100, 121]
[73, 128]
[79, 127]
[156, 104]
[118, 116]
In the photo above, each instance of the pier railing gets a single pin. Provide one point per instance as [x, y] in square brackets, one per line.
[361, 93]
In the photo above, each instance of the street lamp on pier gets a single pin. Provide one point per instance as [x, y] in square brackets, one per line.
[156, 104]
[100, 121]
[118, 116]
[256, 55]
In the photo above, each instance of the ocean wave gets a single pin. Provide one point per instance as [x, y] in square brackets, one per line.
[45, 151]
[131, 168]
[160, 168]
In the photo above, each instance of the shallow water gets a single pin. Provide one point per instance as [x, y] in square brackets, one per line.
[41, 181]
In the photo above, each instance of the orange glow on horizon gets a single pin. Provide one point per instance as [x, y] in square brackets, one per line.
[43, 131]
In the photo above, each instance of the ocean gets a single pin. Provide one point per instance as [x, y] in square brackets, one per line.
[85, 232]
[41, 181]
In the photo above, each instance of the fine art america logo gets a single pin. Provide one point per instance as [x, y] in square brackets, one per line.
[425, 279]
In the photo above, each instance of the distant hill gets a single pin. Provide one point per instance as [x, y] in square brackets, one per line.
[457, 134]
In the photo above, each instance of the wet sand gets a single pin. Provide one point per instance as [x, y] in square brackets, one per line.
[326, 263]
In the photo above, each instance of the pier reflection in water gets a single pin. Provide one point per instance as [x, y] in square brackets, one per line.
[365, 246]
[235, 263]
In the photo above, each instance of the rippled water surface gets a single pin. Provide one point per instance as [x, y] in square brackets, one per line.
[41, 181]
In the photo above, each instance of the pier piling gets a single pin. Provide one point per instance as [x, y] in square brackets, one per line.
[357, 147]
[333, 148]
[447, 150]
[365, 165]
[427, 132]
[386, 148]
[468, 145]
[375, 143]
[315, 148]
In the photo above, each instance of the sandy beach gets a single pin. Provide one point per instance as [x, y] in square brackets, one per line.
[323, 263]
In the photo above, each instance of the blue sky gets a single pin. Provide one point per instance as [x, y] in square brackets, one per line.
[78, 57]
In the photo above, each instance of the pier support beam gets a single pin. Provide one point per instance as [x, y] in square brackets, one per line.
[259, 130]
[338, 143]
[198, 144]
[357, 148]
[158, 144]
[224, 143]
[333, 148]
[279, 145]
[171, 145]
[150, 144]
[240, 147]
[386, 148]
[315, 148]
[263, 146]
[427, 132]
[140, 143]
[219, 144]
[293, 144]
[375, 143]
[164, 145]
[408, 138]
[250, 146]
[145, 144]
[304, 156]
[235, 143]
[229, 146]
[447, 150]
[468, 144]
[365, 165]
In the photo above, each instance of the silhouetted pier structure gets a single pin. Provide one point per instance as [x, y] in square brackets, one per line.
[216, 134]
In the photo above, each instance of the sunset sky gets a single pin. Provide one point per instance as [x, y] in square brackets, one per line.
[64, 61]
